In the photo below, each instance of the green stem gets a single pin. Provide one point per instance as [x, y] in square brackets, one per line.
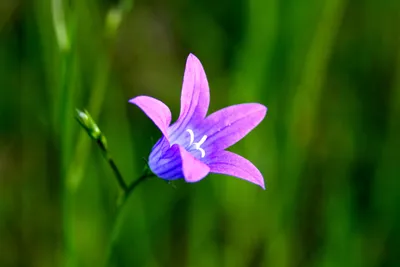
[134, 184]
[127, 189]
[118, 175]
[94, 132]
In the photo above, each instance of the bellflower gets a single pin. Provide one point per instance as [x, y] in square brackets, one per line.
[195, 145]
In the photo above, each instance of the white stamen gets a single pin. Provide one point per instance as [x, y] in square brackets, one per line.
[191, 136]
[197, 144]
[202, 140]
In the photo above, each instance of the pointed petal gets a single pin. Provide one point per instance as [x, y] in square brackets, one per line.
[156, 110]
[193, 169]
[229, 163]
[195, 97]
[227, 126]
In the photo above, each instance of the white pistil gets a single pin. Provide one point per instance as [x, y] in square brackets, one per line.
[197, 144]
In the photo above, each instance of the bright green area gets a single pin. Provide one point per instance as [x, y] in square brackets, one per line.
[329, 148]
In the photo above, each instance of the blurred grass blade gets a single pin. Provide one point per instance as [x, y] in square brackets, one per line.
[59, 25]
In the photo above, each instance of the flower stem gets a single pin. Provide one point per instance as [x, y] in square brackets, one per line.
[129, 189]
[86, 121]
[117, 173]
[135, 183]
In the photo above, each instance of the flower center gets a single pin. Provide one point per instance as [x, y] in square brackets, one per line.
[197, 144]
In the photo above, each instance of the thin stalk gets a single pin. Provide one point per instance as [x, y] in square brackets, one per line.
[134, 184]
[118, 175]
[86, 121]
[121, 182]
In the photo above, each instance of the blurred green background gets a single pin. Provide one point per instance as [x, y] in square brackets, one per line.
[328, 70]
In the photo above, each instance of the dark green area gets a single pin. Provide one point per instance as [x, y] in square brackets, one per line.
[329, 72]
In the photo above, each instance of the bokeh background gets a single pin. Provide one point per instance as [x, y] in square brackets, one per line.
[328, 70]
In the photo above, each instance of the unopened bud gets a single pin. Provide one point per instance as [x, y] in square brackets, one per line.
[91, 127]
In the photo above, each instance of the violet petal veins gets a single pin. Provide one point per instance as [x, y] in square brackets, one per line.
[195, 145]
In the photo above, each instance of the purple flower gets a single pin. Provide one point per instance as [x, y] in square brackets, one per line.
[195, 145]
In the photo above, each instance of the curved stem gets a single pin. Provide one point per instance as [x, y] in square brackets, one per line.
[118, 175]
[146, 174]
[86, 121]
[134, 184]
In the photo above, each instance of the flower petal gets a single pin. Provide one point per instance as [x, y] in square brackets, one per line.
[227, 126]
[165, 161]
[156, 110]
[195, 97]
[193, 169]
[229, 163]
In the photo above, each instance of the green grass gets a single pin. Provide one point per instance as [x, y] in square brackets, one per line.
[327, 70]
